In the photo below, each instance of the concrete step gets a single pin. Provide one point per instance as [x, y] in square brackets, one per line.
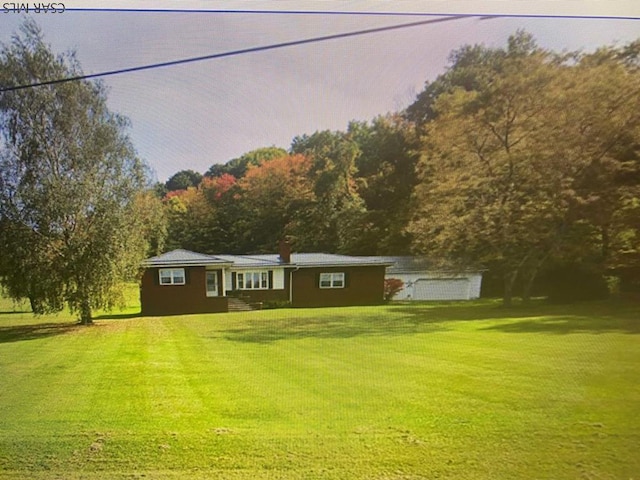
[238, 305]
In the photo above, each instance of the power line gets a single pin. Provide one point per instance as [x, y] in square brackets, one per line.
[235, 52]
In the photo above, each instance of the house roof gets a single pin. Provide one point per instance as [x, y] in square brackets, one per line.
[253, 260]
[300, 260]
[408, 264]
[182, 257]
[327, 259]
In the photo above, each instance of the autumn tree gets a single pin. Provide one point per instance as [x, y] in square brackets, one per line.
[275, 195]
[237, 167]
[205, 218]
[522, 166]
[618, 215]
[392, 286]
[70, 185]
[228, 222]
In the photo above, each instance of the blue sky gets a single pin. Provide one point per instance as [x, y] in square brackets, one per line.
[192, 116]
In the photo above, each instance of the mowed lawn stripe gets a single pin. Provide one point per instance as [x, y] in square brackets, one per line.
[383, 392]
[35, 371]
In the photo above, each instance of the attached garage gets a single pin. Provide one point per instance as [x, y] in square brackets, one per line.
[423, 281]
[441, 289]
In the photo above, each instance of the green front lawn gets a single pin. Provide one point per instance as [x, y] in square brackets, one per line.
[464, 391]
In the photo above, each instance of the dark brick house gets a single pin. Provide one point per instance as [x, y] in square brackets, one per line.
[180, 281]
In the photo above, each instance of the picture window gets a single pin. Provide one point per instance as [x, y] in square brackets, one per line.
[252, 280]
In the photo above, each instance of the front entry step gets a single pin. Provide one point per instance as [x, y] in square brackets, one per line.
[237, 305]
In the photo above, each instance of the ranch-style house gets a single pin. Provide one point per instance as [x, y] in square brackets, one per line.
[182, 282]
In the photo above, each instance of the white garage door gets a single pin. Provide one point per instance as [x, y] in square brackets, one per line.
[441, 289]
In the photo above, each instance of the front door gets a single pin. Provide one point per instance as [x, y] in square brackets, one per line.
[212, 283]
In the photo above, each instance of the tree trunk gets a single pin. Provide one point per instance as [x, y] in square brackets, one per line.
[85, 312]
[528, 285]
[530, 277]
[35, 304]
[509, 281]
[605, 243]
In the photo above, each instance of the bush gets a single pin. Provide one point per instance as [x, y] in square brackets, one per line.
[273, 304]
[391, 287]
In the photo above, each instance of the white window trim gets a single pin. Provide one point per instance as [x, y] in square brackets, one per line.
[173, 274]
[335, 279]
[246, 273]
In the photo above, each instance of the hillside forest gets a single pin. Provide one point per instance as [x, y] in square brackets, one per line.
[519, 160]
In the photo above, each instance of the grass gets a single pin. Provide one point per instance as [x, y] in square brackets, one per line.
[464, 391]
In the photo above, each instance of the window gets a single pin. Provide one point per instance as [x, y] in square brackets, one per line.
[172, 276]
[332, 280]
[252, 280]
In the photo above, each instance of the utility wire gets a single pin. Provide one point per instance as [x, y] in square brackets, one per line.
[235, 52]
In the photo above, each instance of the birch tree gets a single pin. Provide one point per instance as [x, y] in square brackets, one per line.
[71, 185]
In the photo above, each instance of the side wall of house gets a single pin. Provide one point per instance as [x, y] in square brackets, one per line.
[191, 297]
[363, 286]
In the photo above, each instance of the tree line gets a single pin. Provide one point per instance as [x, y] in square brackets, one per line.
[343, 192]
[518, 160]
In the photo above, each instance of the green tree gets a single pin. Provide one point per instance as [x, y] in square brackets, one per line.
[385, 180]
[190, 220]
[152, 220]
[70, 185]
[523, 168]
[183, 180]
[338, 216]
[472, 68]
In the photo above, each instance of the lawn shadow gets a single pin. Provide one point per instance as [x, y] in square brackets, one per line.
[562, 325]
[117, 316]
[342, 326]
[589, 317]
[460, 312]
[20, 333]
[374, 323]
